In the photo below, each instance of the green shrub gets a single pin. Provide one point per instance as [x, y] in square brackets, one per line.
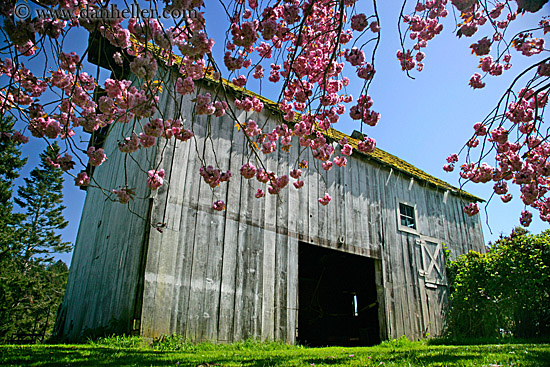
[503, 292]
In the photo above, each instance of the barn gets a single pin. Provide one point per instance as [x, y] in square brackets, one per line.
[367, 267]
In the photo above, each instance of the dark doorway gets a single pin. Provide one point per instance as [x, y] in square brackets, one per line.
[337, 298]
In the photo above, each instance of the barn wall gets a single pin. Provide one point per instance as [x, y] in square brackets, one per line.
[230, 275]
[412, 308]
[104, 274]
[226, 276]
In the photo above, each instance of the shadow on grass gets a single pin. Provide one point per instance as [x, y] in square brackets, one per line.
[77, 355]
[80, 356]
[484, 341]
[86, 355]
[524, 355]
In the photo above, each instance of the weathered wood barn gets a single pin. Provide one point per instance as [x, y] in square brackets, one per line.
[368, 266]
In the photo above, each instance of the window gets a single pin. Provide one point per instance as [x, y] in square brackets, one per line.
[406, 217]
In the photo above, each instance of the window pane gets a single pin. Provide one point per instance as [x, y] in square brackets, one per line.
[406, 214]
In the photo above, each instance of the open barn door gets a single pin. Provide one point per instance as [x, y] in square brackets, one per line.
[337, 302]
[433, 284]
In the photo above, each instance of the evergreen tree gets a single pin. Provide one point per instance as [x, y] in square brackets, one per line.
[10, 164]
[31, 283]
[41, 199]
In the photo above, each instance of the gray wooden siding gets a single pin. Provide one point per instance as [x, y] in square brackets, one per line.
[231, 275]
[104, 274]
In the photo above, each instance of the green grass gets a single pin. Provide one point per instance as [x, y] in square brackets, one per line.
[172, 351]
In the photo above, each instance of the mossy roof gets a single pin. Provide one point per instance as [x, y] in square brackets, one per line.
[379, 155]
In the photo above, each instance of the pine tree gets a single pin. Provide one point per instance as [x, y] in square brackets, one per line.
[31, 282]
[41, 199]
[10, 279]
[10, 164]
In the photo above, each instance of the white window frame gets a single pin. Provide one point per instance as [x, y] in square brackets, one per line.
[398, 213]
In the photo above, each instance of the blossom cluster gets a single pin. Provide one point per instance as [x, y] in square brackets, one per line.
[294, 44]
[529, 170]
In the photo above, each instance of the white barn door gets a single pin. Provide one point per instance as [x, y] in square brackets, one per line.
[433, 285]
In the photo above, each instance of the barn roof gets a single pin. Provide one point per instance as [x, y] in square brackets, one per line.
[379, 155]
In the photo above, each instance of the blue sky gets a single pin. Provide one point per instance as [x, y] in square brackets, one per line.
[423, 120]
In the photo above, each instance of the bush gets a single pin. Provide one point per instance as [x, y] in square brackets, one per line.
[503, 292]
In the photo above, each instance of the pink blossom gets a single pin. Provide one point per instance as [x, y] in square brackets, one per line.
[529, 46]
[258, 72]
[66, 162]
[544, 69]
[367, 146]
[359, 22]
[496, 69]
[185, 86]
[184, 135]
[499, 135]
[69, 62]
[45, 126]
[117, 56]
[240, 81]
[260, 193]
[406, 60]
[325, 199]
[347, 149]
[340, 161]
[475, 81]
[469, 29]
[97, 156]
[327, 165]
[144, 67]
[82, 179]
[299, 184]
[156, 179]
[506, 198]
[526, 218]
[355, 56]
[218, 205]
[471, 209]
[296, 173]
[264, 50]
[130, 144]
[147, 141]
[500, 188]
[252, 129]
[472, 143]
[19, 138]
[453, 158]
[277, 184]
[480, 129]
[203, 105]
[248, 170]
[366, 72]
[482, 47]
[123, 195]
[116, 88]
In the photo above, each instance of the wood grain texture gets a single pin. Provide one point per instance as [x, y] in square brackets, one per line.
[231, 275]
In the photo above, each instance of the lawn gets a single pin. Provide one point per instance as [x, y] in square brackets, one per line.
[134, 352]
